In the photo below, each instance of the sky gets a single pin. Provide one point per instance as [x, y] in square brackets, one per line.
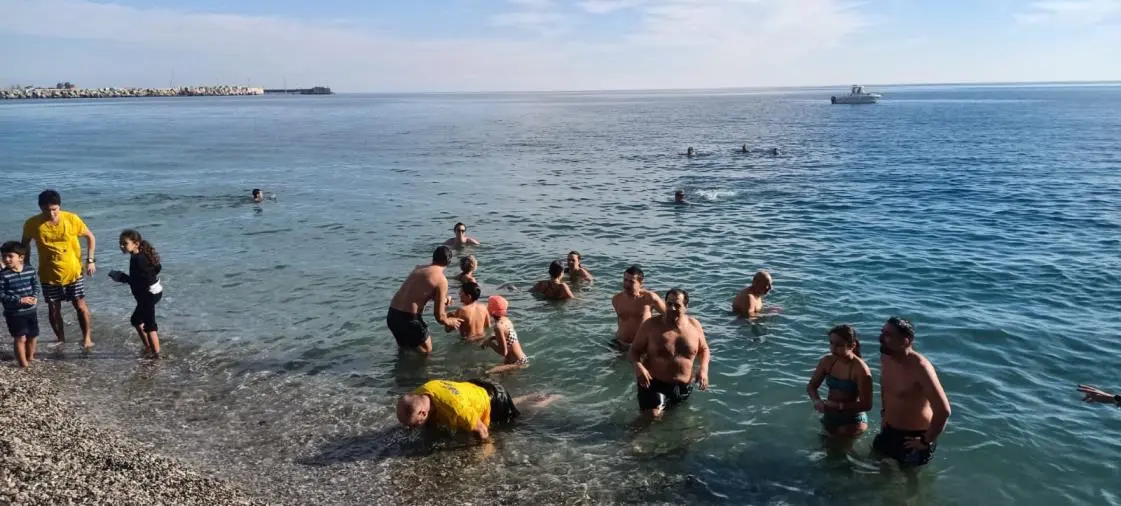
[513, 45]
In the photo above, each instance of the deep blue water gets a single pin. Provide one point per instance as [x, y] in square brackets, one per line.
[990, 216]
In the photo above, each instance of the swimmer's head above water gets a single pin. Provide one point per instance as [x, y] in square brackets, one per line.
[844, 340]
[556, 269]
[469, 292]
[679, 197]
[896, 336]
[468, 264]
[632, 280]
[257, 195]
[761, 284]
[442, 256]
[691, 151]
[677, 302]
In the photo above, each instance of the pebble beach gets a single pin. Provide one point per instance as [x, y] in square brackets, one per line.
[50, 454]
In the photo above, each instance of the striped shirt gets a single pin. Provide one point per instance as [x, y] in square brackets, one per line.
[15, 286]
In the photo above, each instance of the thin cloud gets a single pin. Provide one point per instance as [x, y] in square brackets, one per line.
[607, 6]
[1070, 11]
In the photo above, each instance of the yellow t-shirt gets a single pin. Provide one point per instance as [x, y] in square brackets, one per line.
[457, 405]
[60, 255]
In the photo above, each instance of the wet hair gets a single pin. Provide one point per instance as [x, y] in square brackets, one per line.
[465, 263]
[13, 247]
[904, 327]
[556, 268]
[145, 246]
[49, 198]
[460, 224]
[678, 291]
[442, 256]
[256, 192]
[848, 334]
[472, 290]
[577, 253]
[635, 271]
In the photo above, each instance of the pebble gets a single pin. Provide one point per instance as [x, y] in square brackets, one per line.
[49, 455]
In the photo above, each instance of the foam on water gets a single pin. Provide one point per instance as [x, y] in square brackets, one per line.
[992, 224]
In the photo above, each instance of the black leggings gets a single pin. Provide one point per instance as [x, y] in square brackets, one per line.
[145, 312]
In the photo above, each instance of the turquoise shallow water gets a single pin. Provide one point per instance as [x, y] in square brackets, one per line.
[990, 216]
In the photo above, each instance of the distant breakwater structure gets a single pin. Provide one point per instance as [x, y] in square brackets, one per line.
[73, 92]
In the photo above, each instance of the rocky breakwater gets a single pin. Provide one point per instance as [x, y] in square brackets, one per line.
[186, 91]
[49, 455]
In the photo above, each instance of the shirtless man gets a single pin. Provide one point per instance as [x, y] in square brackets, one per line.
[475, 320]
[632, 306]
[575, 269]
[554, 288]
[425, 283]
[749, 302]
[460, 240]
[915, 408]
[663, 355]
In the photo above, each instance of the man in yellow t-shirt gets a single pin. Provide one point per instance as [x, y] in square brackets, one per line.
[56, 234]
[468, 406]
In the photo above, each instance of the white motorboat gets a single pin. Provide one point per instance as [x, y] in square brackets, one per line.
[856, 96]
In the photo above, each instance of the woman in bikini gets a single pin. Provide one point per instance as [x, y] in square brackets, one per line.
[554, 288]
[505, 338]
[844, 410]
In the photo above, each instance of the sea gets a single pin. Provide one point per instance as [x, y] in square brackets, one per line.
[990, 216]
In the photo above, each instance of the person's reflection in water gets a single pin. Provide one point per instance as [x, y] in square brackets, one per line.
[409, 369]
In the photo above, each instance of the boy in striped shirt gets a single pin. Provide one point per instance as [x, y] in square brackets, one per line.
[19, 293]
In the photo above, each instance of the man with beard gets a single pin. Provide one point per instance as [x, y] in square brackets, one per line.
[915, 407]
[663, 353]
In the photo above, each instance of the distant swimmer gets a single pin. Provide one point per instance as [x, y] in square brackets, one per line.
[749, 302]
[1094, 394]
[743, 149]
[664, 351]
[472, 313]
[633, 306]
[679, 197]
[460, 240]
[425, 283]
[915, 408]
[467, 267]
[505, 339]
[257, 195]
[690, 151]
[774, 152]
[575, 269]
[470, 406]
[554, 288]
[850, 385]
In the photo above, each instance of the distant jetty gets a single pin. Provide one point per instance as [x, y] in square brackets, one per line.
[71, 92]
[318, 90]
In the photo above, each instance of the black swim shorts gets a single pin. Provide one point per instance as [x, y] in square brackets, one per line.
[502, 409]
[889, 443]
[408, 329]
[23, 325]
[662, 395]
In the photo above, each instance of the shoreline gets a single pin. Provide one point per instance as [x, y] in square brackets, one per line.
[50, 453]
[185, 91]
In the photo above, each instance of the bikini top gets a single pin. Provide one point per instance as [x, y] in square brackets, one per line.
[844, 385]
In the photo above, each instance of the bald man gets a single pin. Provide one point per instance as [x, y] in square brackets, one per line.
[749, 302]
[469, 406]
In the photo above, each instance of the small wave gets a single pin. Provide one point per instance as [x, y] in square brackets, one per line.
[714, 195]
